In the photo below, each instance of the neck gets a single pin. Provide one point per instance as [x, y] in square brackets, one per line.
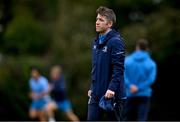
[105, 32]
[36, 79]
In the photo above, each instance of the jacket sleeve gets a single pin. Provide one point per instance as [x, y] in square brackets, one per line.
[117, 62]
[150, 79]
[126, 78]
[92, 65]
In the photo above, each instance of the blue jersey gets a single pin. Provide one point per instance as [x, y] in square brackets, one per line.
[39, 86]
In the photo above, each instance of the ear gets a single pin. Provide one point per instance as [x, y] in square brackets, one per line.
[110, 24]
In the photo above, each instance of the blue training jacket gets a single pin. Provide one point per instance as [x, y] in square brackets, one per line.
[140, 70]
[59, 89]
[108, 66]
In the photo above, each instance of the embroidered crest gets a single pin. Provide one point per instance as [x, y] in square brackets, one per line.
[104, 49]
[94, 47]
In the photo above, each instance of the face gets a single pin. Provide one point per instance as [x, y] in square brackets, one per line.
[102, 24]
[55, 74]
[35, 74]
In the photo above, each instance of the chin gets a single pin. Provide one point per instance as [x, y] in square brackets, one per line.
[98, 31]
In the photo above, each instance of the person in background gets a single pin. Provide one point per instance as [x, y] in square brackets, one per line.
[39, 93]
[140, 74]
[58, 90]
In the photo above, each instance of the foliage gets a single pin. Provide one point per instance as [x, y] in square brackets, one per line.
[25, 35]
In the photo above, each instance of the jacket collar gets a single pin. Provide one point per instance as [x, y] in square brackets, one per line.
[108, 35]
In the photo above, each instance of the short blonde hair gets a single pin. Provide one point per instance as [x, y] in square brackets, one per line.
[57, 68]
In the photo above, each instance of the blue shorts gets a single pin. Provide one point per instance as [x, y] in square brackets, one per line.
[39, 104]
[65, 105]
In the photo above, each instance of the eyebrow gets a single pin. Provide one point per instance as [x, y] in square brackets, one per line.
[99, 18]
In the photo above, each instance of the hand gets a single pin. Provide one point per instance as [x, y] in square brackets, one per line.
[51, 87]
[109, 94]
[89, 93]
[133, 88]
[34, 96]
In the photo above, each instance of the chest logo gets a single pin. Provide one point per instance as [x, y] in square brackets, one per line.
[94, 47]
[104, 49]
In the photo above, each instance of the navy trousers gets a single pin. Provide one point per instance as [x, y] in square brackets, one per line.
[137, 108]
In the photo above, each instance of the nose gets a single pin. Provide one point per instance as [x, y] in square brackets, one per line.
[97, 22]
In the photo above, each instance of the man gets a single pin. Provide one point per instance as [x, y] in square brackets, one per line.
[59, 93]
[107, 67]
[140, 73]
[39, 94]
